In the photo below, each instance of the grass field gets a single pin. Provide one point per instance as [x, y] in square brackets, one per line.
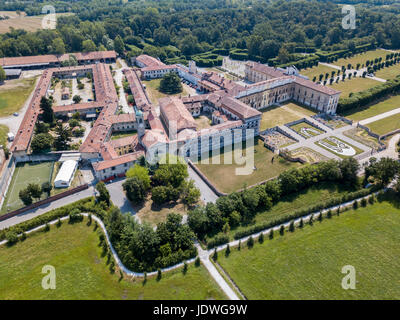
[81, 272]
[388, 73]
[3, 134]
[119, 135]
[307, 264]
[362, 58]
[316, 71]
[155, 94]
[279, 115]
[224, 176]
[28, 23]
[24, 174]
[287, 205]
[354, 85]
[373, 110]
[13, 95]
[385, 125]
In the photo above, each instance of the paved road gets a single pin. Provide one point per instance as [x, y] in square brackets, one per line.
[118, 197]
[380, 116]
[47, 207]
[205, 259]
[207, 195]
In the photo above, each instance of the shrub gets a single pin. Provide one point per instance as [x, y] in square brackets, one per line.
[159, 274]
[261, 238]
[364, 202]
[301, 223]
[355, 205]
[291, 226]
[46, 227]
[12, 237]
[228, 250]
[371, 199]
[250, 243]
[197, 262]
[215, 255]
[271, 234]
[329, 214]
[217, 241]
[282, 230]
[23, 236]
[185, 267]
[59, 223]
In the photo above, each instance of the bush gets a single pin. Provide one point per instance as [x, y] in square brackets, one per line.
[364, 202]
[46, 227]
[282, 230]
[371, 199]
[217, 241]
[291, 226]
[261, 238]
[215, 255]
[355, 205]
[11, 237]
[250, 243]
[197, 262]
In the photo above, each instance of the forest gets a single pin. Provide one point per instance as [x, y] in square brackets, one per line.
[277, 32]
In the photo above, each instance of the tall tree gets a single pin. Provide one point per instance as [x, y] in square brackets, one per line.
[47, 109]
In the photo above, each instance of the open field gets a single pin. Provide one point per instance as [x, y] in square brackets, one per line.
[154, 94]
[362, 58]
[224, 176]
[13, 95]
[28, 23]
[385, 125]
[316, 71]
[279, 115]
[303, 199]
[154, 214]
[307, 264]
[373, 110]
[3, 134]
[83, 274]
[24, 174]
[388, 73]
[354, 85]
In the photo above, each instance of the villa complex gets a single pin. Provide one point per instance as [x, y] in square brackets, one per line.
[169, 127]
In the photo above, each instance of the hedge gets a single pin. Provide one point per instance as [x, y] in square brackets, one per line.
[83, 205]
[217, 241]
[300, 213]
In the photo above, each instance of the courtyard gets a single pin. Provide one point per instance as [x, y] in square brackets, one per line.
[266, 165]
[279, 115]
[306, 130]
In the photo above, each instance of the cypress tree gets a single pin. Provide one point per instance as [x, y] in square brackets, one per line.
[228, 250]
[250, 242]
[215, 255]
[301, 223]
[291, 226]
[261, 238]
[197, 262]
[282, 230]
[159, 275]
[271, 234]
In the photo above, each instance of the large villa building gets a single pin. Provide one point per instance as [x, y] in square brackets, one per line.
[168, 127]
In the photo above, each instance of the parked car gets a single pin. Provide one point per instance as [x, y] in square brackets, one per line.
[16, 114]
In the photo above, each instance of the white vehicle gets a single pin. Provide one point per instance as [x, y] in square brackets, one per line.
[16, 114]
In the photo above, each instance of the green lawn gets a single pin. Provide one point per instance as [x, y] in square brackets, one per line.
[280, 115]
[371, 111]
[81, 272]
[119, 135]
[307, 264]
[224, 176]
[24, 174]
[354, 85]
[389, 73]
[385, 125]
[316, 71]
[362, 58]
[154, 93]
[321, 192]
[14, 94]
[3, 134]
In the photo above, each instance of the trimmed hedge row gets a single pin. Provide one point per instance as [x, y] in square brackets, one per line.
[297, 214]
[84, 205]
[217, 241]
[363, 98]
